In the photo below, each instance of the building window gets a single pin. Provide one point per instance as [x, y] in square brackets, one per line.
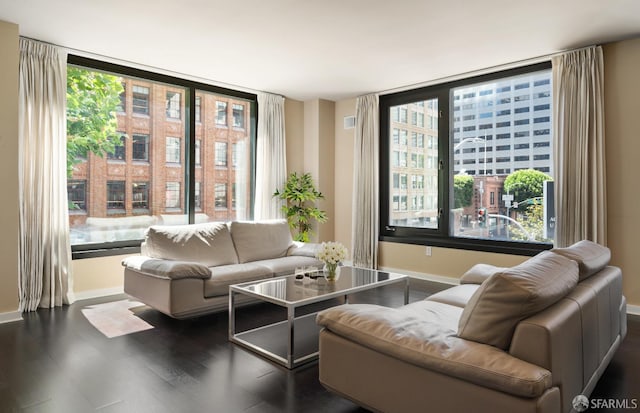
[458, 184]
[122, 107]
[77, 194]
[197, 196]
[221, 113]
[198, 154]
[172, 195]
[173, 150]
[198, 108]
[140, 147]
[238, 116]
[119, 150]
[140, 100]
[173, 105]
[140, 196]
[220, 196]
[115, 196]
[221, 154]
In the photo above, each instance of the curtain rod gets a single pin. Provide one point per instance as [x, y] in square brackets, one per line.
[155, 69]
[471, 73]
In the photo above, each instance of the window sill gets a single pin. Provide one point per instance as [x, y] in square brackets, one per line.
[472, 244]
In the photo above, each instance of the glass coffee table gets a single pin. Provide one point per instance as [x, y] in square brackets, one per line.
[294, 341]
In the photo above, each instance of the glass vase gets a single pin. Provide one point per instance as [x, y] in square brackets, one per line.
[331, 271]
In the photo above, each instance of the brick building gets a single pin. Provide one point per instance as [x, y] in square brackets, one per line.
[143, 181]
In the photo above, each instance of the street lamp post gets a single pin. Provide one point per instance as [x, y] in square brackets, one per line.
[476, 140]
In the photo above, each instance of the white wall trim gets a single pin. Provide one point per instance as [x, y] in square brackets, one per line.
[10, 317]
[104, 292]
[633, 309]
[424, 276]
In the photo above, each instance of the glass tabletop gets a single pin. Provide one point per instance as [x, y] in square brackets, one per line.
[289, 290]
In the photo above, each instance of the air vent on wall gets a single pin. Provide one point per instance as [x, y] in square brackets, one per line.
[349, 122]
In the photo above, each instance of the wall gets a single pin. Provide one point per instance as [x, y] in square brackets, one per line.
[9, 55]
[93, 277]
[622, 123]
[344, 172]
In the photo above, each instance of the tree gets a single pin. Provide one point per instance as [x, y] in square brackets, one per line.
[462, 190]
[525, 185]
[300, 193]
[533, 223]
[92, 101]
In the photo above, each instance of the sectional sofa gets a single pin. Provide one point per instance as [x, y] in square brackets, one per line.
[185, 270]
[525, 339]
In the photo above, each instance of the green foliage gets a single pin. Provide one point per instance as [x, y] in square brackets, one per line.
[92, 101]
[462, 190]
[525, 185]
[533, 222]
[300, 195]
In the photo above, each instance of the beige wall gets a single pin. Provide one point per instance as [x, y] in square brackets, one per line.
[98, 276]
[294, 132]
[622, 131]
[343, 172]
[9, 41]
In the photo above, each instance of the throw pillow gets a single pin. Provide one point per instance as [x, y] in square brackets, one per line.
[514, 294]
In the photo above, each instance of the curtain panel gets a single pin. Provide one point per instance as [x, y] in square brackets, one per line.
[366, 190]
[271, 156]
[44, 250]
[579, 147]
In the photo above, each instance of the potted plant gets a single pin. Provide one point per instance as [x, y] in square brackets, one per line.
[300, 195]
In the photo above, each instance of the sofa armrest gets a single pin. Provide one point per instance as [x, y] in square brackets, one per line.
[424, 334]
[303, 249]
[167, 269]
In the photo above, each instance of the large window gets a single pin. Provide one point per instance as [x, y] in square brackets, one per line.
[482, 180]
[111, 203]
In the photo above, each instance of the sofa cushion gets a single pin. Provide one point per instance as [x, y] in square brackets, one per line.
[225, 275]
[424, 333]
[479, 273]
[208, 244]
[458, 296]
[509, 296]
[261, 240]
[287, 265]
[590, 256]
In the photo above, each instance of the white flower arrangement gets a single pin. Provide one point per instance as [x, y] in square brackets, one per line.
[331, 253]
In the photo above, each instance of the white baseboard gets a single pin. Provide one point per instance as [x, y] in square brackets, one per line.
[633, 309]
[104, 292]
[424, 276]
[10, 317]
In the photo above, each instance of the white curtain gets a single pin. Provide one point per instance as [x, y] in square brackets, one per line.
[45, 254]
[365, 184]
[271, 156]
[579, 151]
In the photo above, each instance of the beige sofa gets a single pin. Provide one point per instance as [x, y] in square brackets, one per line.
[524, 339]
[185, 270]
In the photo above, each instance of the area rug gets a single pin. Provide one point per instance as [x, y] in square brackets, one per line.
[116, 318]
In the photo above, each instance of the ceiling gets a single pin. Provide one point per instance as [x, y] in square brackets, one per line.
[328, 49]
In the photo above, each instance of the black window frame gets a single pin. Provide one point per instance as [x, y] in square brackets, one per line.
[440, 237]
[91, 250]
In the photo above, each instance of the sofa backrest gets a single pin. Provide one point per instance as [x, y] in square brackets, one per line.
[260, 240]
[209, 244]
[575, 337]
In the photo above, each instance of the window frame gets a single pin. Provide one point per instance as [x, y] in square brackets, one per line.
[91, 250]
[440, 237]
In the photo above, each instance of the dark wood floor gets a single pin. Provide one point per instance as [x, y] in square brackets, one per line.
[56, 361]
